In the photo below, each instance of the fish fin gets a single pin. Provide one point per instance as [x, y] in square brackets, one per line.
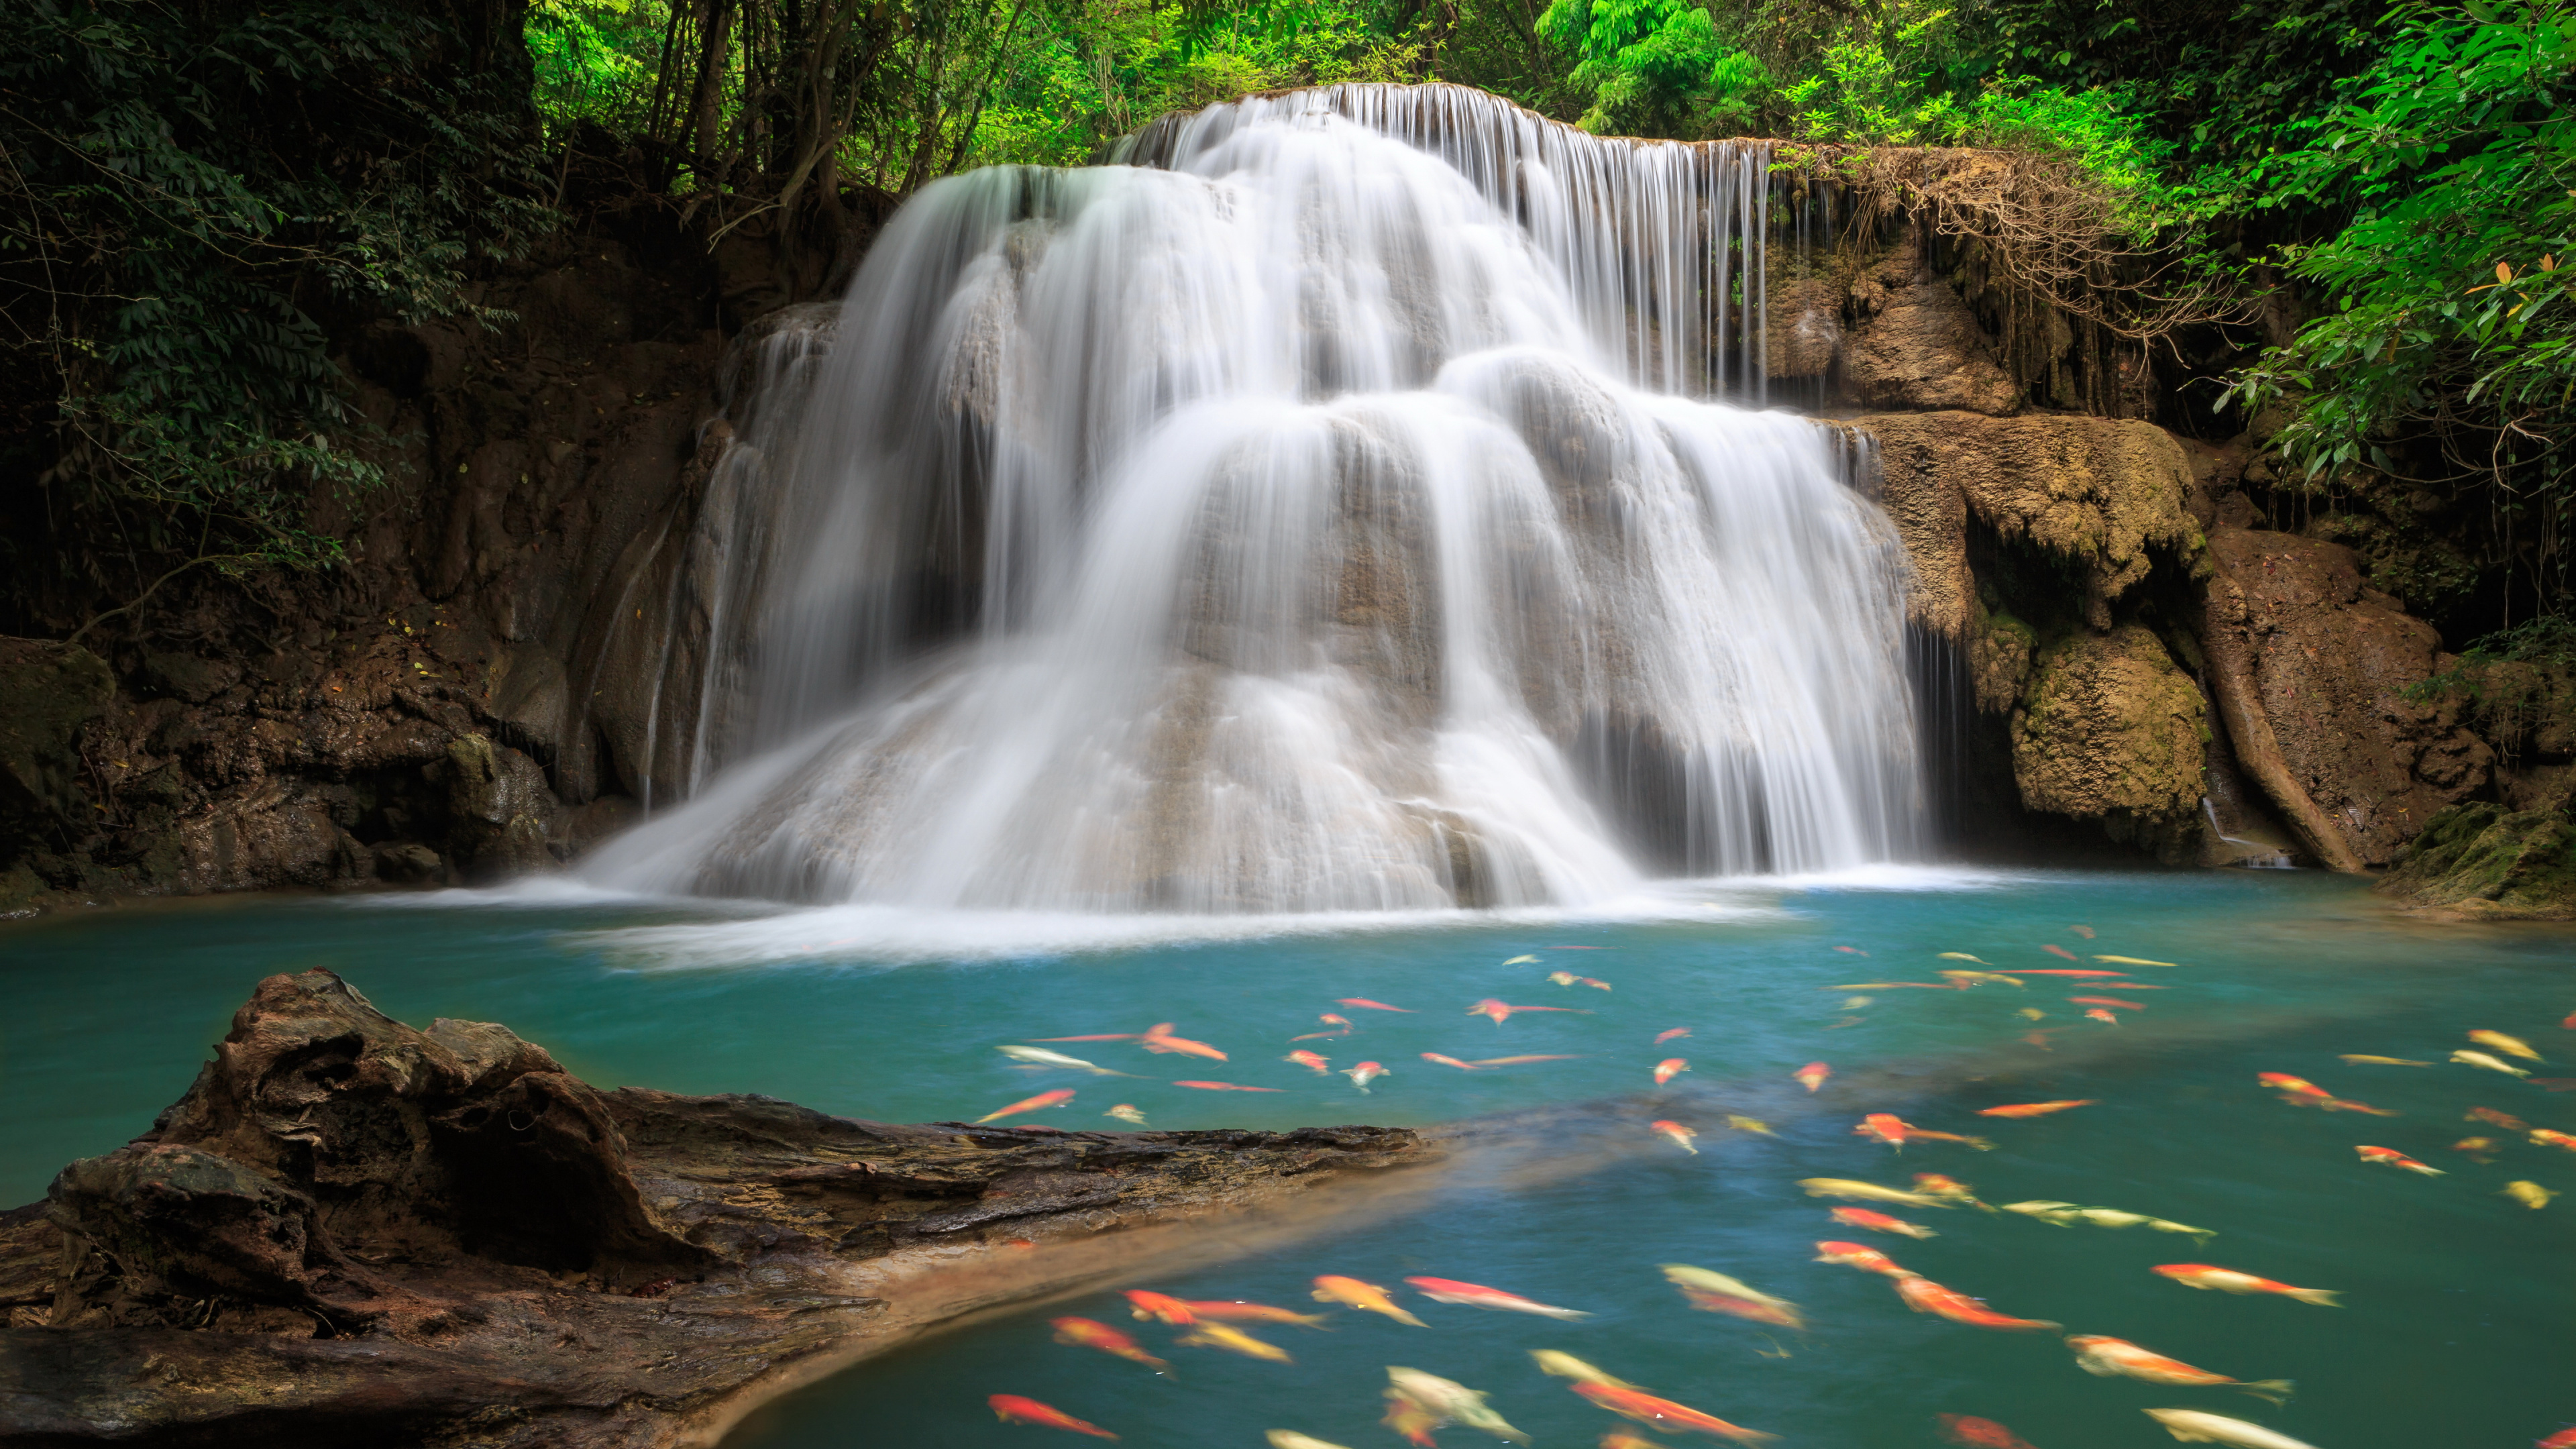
[2272, 1391]
[1401, 1316]
[2323, 1297]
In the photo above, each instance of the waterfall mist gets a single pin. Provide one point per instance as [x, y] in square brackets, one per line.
[1325, 510]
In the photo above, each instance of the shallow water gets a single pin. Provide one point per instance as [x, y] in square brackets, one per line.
[2459, 1316]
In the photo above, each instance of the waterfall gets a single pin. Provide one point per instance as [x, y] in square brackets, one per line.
[1330, 508]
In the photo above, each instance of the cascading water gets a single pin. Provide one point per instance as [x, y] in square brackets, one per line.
[1320, 515]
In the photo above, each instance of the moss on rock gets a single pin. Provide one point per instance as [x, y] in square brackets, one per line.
[2480, 859]
[2109, 730]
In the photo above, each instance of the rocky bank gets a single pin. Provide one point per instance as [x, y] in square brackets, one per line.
[351, 1231]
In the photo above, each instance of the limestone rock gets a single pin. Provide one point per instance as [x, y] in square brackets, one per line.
[2098, 492]
[1919, 347]
[2331, 667]
[2482, 860]
[2111, 730]
[501, 813]
[47, 692]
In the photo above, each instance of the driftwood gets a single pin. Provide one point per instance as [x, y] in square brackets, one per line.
[350, 1231]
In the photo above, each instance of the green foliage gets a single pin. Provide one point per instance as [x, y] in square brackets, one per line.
[596, 60]
[1652, 67]
[173, 216]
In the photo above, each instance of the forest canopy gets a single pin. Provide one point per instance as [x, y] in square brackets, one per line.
[199, 195]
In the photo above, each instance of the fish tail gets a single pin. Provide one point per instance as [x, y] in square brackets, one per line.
[2323, 1297]
[1400, 1316]
[1979, 1143]
[2273, 1391]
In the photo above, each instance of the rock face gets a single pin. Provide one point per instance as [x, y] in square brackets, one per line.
[2482, 860]
[2325, 669]
[1917, 346]
[352, 1231]
[2110, 730]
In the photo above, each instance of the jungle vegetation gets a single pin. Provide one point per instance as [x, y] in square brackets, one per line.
[2368, 205]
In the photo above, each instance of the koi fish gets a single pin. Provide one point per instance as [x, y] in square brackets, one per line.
[1669, 1068]
[1880, 1223]
[1666, 1415]
[1101, 1036]
[1038, 1103]
[2228, 1280]
[1867, 1192]
[1291, 1439]
[2505, 1120]
[2509, 1045]
[1471, 1295]
[2544, 1137]
[1235, 1310]
[1084, 1333]
[1517, 1061]
[2110, 1001]
[2477, 1148]
[1225, 1087]
[1967, 979]
[1448, 1061]
[1896, 986]
[1961, 956]
[1861, 1256]
[1232, 1340]
[1126, 1112]
[1855, 1003]
[1365, 1073]
[1718, 1293]
[1450, 1401]
[2085, 931]
[2105, 1357]
[1041, 1057]
[1567, 1366]
[2070, 975]
[1979, 1433]
[1563, 978]
[1594, 982]
[1411, 1420]
[1856, 951]
[2563, 1439]
[1884, 1127]
[1159, 1038]
[1812, 1075]
[2099, 1014]
[2394, 1158]
[2530, 1194]
[2036, 1109]
[2194, 1427]
[2297, 1091]
[1367, 1297]
[1662, 1037]
[2133, 961]
[1159, 1307]
[1680, 1135]
[2358, 1060]
[1750, 1124]
[1925, 1296]
[2032, 1013]
[1343, 1022]
[1522, 961]
[1502, 1012]
[1946, 1187]
[1365, 1004]
[2038, 1039]
[1311, 1062]
[2053, 949]
[1013, 1409]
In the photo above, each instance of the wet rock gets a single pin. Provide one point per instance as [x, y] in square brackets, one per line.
[2326, 671]
[1918, 346]
[2109, 730]
[2484, 861]
[351, 1231]
[502, 815]
[47, 692]
[185, 676]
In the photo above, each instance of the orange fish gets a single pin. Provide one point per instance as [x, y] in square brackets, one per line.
[2101, 1014]
[2564, 1438]
[2111, 1001]
[2394, 1158]
[1160, 1307]
[1883, 1127]
[1343, 1023]
[1501, 1012]
[1448, 1061]
[2062, 971]
[1311, 1062]
[1664, 1414]
[1925, 1296]
[1224, 1087]
[1813, 1075]
[2104, 1356]
[1101, 1036]
[1012, 1409]
[1041, 1101]
[2057, 950]
[1980, 1433]
[2545, 1137]
[2228, 1280]
[1669, 1068]
[2039, 1039]
[1935, 1185]
[1159, 1038]
[1365, 1073]
[2294, 1087]
[2475, 1146]
[1662, 1037]
[2036, 1109]
[1517, 1061]
[1476, 1295]
[1856, 951]
[2505, 1120]
[1084, 1333]
[1680, 1134]
[2085, 931]
[1861, 1256]
[1236, 1310]
[1881, 1223]
[1368, 1297]
[1365, 1004]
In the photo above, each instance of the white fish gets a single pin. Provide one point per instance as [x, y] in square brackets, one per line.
[1451, 1400]
[1041, 1057]
[1291, 1439]
[2493, 1064]
[2194, 1426]
[1522, 961]
[1567, 1366]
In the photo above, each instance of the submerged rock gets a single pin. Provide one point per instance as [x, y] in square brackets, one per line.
[352, 1231]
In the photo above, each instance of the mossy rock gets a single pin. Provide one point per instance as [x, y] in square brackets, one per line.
[2480, 859]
